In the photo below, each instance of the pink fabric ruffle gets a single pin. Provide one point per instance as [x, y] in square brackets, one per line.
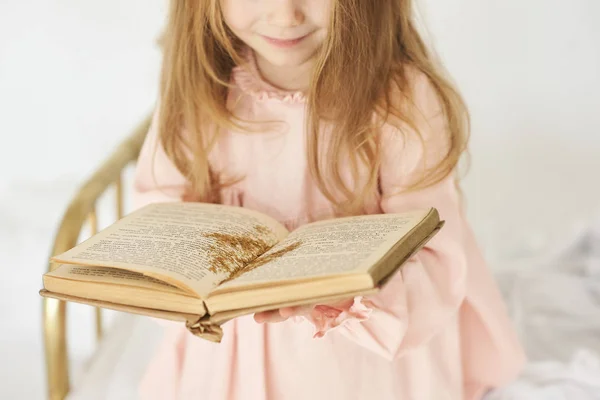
[248, 79]
[328, 317]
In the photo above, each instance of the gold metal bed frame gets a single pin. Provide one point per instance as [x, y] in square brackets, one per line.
[82, 208]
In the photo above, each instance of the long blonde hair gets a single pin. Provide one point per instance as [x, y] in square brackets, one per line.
[377, 38]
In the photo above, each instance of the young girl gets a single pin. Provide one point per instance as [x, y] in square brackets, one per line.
[313, 109]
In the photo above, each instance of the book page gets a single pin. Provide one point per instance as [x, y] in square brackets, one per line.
[338, 246]
[111, 276]
[193, 246]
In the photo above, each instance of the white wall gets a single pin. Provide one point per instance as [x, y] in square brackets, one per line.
[75, 76]
[530, 71]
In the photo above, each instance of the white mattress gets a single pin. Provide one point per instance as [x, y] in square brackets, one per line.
[118, 365]
[554, 301]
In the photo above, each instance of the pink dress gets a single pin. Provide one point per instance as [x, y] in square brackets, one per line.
[438, 330]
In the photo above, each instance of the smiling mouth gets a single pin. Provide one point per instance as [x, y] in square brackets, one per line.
[284, 43]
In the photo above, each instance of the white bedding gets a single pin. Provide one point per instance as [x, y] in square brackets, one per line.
[554, 301]
[120, 361]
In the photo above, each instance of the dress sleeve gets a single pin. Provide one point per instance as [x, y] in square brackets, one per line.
[426, 294]
[156, 177]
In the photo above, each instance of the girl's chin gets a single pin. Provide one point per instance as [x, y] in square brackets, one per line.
[289, 59]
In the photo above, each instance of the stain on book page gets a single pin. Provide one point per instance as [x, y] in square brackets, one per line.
[234, 255]
[262, 260]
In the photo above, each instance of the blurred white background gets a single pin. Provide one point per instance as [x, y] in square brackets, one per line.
[76, 76]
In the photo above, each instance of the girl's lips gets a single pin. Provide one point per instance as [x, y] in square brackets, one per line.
[284, 43]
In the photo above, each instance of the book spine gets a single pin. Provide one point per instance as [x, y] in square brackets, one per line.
[205, 329]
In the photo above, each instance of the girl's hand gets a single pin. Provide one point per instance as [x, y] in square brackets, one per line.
[282, 314]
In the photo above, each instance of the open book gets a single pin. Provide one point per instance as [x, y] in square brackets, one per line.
[204, 264]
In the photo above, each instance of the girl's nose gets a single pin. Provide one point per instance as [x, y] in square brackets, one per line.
[285, 13]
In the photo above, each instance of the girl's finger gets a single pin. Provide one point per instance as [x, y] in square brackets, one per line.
[269, 317]
[294, 311]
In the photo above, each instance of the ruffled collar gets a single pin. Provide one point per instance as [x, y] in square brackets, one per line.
[248, 79]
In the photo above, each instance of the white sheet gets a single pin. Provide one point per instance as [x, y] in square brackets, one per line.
[555, 303]
[120, 361]
[579, 379]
